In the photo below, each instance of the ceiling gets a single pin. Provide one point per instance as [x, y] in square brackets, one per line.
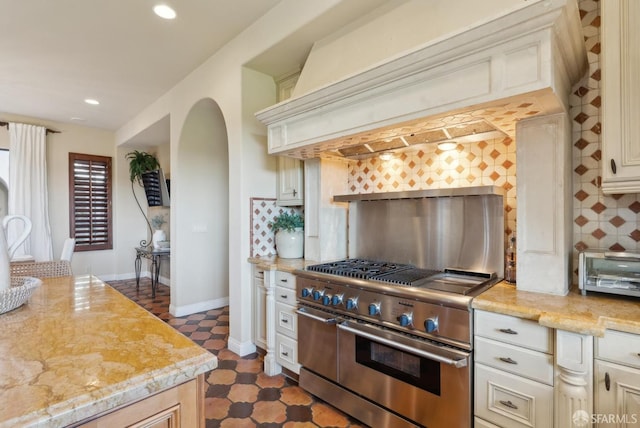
[57, 53]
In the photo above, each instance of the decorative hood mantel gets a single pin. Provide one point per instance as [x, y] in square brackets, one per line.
[487, 77]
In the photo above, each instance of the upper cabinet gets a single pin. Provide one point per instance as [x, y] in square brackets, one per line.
[290, 182]
[620, 96]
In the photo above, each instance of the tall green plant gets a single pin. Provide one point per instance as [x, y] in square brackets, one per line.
[139, 163]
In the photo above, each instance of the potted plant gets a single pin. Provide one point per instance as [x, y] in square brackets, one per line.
[288, 228]
[139, 163]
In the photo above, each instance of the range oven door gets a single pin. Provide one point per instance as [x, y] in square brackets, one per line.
[318, 342]
[420, 380]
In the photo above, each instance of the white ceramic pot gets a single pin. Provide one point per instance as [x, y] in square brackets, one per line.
[158, 236]
[290, 245]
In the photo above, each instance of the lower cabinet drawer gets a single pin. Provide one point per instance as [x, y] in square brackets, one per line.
[512, 401]
[287, 353]
[619, 347]
[514, 359]
[286, 320]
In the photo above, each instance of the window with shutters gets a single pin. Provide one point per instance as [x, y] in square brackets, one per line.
[90, 201]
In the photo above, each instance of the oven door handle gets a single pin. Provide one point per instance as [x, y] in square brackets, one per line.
[429, 355]
[316, 317]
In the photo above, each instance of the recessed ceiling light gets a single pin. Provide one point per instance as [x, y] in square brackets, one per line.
[92, 101]
[447, 145]
[164, 11]
[78, 119]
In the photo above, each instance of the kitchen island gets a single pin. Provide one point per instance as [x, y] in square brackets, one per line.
[79, 353]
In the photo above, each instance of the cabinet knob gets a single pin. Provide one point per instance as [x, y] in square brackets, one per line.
[285, 354]
[613, 166]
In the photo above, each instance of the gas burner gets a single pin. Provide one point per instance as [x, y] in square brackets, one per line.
[395, 273]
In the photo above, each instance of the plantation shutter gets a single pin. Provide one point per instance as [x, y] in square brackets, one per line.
[90, 201]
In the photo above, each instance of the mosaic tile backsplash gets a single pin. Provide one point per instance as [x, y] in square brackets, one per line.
[491, 162]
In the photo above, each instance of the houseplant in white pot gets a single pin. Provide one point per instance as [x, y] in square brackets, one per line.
[288, 228]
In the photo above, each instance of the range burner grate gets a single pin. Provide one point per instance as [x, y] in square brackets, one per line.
[395, 273]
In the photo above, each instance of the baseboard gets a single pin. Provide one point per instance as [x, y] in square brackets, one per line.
[241, 348]
[180, 311]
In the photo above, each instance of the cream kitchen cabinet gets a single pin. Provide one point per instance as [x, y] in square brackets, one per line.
[290, 182]
[259, 308]
[617, 380]
[286, 321]
[514, 372]
[620, 64]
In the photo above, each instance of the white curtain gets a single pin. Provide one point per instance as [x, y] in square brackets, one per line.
[28, 194]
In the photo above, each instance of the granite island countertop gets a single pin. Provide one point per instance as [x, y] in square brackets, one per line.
[592, 314]
[79, 348]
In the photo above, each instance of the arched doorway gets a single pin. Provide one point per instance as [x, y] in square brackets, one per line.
[200, 212]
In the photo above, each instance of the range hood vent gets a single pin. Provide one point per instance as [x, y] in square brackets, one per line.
[482, 79]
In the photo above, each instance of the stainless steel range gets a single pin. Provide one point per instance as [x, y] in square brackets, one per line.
[390, 342]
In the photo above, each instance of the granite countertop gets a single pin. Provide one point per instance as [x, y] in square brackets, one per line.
[79, 348]
[278, 263]
[592, 314]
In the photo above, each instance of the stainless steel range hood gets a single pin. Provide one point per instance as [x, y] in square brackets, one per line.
[485, 78]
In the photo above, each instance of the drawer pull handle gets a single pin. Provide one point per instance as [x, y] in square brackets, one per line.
[283, 280]
[613, 166]
[509, 404]
[607, 381]
[507, 360]
[284, 296]
[285, 354]
[507, 331]
[284, 320]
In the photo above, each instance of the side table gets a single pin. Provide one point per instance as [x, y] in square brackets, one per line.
[155, 255]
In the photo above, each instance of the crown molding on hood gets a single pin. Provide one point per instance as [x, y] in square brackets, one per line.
[526, 59]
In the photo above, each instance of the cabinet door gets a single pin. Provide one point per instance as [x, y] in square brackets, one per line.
[617, 395]
[290, 181]
[259, 314]
[620, 96]
[179, 407]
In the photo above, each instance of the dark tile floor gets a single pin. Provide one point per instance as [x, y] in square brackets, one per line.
[238, 394]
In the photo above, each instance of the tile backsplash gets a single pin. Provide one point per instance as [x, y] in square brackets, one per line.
[491, 162]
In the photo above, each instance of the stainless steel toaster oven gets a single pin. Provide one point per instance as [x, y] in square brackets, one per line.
[609, 272]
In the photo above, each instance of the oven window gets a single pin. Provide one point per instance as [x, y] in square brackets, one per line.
[401, 365]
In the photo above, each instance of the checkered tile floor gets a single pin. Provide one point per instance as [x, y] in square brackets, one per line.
[238, 394]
